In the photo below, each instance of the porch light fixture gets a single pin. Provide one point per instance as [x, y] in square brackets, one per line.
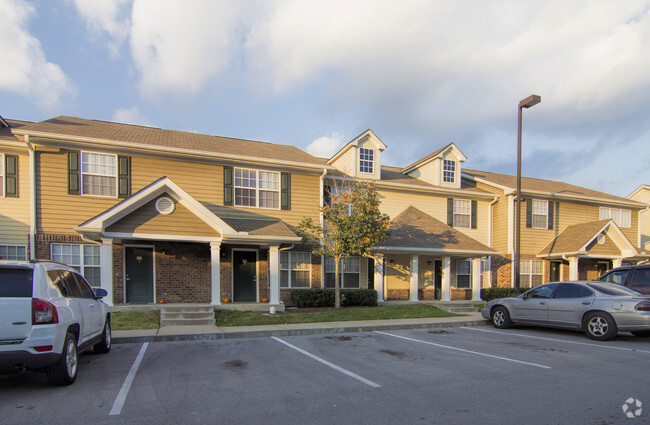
[531, 100]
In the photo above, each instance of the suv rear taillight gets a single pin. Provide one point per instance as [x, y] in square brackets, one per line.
[43, 312]
[643, 306]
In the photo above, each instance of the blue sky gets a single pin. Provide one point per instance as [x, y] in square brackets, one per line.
[315, 74]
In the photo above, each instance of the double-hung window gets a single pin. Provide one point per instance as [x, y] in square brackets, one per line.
[448, 171]
[540, 214]
[254, 188]
[84, 258]
[295, 269]
[622, 218]
[462, 213]
[531, 273]
[366, 160]
[349, 270]
[98, 174]
[464, 274]
[13, 252]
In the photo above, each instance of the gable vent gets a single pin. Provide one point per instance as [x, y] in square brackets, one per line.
[165, 205]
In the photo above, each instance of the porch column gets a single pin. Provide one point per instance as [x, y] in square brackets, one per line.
[215, 272]
[106, 269]
[617, 262]
[379, 277]
[476, 279]
[446, 279]
[414, 278]
[573, 268]
[274, 275]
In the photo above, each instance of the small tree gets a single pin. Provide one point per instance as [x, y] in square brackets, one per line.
[353, 225]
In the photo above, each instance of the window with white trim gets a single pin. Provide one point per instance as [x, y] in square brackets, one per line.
[2, 174]
[83, 258]
[366, 160]
[464, 274]
[255, 188]
[462, 213]
[623, 218]
[295, 269]
[349, 271]
[98, 174]
[486, 273]
[540, 214]
[531, 273]
[448, 171]
[13, 252]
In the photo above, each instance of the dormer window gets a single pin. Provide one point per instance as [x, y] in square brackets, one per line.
[448, 171]
[366, 160]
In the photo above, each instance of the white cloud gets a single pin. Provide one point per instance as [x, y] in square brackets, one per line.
[24, 68]
[106, 16]
[130, 115]
[326, 146]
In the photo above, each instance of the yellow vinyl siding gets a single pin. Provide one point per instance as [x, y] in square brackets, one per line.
[14, 212]
[60, 212]
[393, 202]
[146, 220]
[398, 273]
[608, 248]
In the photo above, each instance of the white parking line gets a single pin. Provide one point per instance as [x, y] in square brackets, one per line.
[465, 351]
[559, 340]
[121, 396]
[332, 365]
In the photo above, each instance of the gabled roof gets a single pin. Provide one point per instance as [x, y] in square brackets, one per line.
[549, 188]
[643, 187]
[5, 130]
[437, 154]
[368, 134]
[415, 231]
[139, 137]
[229, 229]
[576, 239]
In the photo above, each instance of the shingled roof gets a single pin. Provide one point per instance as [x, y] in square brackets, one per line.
[67, 127]
[414, 229]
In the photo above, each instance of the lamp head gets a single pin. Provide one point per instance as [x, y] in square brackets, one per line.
[531, 100]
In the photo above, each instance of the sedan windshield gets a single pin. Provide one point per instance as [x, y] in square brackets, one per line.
[615, 290]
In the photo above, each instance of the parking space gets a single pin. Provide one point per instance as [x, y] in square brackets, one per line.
[454, 375]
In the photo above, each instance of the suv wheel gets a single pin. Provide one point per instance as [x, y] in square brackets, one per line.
[104, 346]
[64, 371]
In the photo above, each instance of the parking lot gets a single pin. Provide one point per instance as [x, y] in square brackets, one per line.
[461, 375]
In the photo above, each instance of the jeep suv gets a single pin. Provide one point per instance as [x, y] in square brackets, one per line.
[634, 277]
[48, 315]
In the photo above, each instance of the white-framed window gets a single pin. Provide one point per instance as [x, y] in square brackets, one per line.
[531, 273]
[464, 274]
[448, 171]
[623, 218]
[540, 214]
[349, 271]
[462, 213]
[295, 269]
[486, 270]
[256, 188]
[84, 258]
[13, 252]
[366, 160]
[98, 174]
[2, 175]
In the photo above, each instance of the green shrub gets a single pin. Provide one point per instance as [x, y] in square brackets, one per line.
[360, 297]
[303, 298]
[488, 294]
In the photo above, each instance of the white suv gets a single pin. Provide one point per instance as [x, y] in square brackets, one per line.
[48, 315]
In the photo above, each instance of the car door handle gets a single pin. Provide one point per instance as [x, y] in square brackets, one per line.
[586, 302]
[542, 303]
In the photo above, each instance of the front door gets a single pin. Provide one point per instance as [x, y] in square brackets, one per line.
[555, 271]
[437, 279]
[139, 274]
[244, 276]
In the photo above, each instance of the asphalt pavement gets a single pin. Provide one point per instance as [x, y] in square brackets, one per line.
[184, 333]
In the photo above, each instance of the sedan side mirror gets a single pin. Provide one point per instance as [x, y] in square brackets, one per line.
[100, 293]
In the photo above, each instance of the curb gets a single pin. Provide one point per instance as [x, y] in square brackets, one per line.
[292, 332]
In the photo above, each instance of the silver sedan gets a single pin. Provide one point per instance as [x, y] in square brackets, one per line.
[600, 309]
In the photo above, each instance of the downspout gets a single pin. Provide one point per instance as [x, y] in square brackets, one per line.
[322, 224]
[32, 198]
[496, 198]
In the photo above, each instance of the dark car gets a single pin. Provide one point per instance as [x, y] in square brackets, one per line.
[634, 277]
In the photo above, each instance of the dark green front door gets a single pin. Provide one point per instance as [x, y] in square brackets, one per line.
[437, 279]
[555, 271]
[244, 276]
[139, 274]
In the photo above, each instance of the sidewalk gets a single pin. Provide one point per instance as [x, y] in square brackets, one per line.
[184, 333]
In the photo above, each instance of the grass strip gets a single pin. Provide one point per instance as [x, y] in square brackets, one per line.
[129, 320]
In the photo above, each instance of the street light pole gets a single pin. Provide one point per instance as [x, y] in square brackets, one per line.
[531, 100]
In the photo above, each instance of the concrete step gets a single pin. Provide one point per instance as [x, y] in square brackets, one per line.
[186, 322]
[192, 308]
[461, 309]
[187, 315]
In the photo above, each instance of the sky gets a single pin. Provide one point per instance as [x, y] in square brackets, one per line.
[315, 74]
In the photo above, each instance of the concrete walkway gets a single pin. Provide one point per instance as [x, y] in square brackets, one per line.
[184, 333]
